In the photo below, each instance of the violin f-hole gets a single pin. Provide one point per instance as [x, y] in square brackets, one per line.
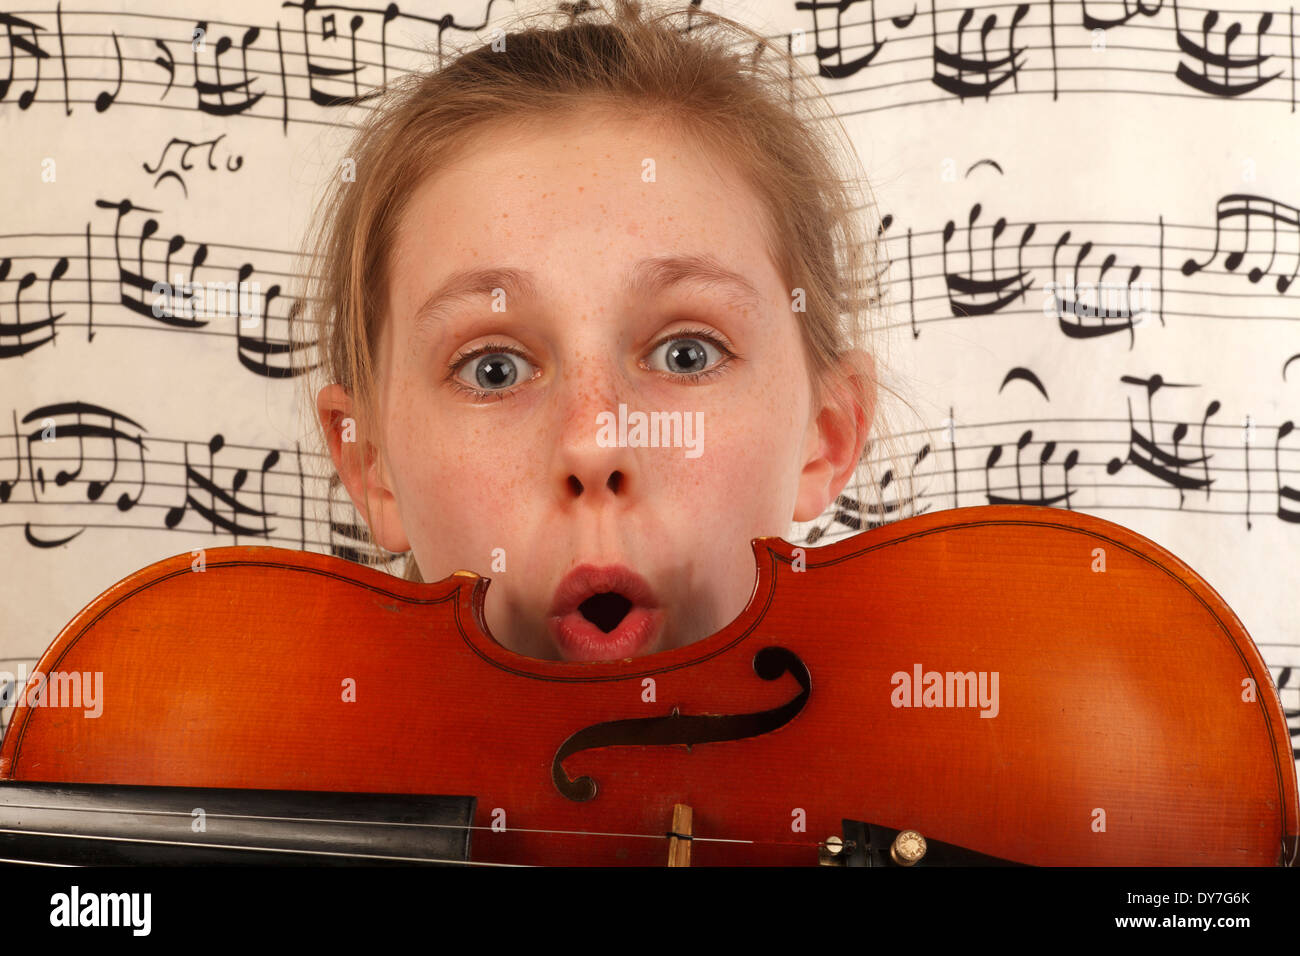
[676, 728]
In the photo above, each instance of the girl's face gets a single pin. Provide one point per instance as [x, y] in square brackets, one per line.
[547, 284]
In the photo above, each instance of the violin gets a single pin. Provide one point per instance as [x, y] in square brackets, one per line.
[994, 685]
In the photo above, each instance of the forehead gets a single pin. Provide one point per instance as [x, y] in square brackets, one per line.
[579, 198]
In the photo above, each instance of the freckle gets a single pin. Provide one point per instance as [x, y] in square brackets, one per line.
[581, 188]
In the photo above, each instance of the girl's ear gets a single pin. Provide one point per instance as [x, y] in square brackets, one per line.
[836, 436]
[360, 465]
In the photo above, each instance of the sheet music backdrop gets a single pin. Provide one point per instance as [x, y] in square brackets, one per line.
[1090, 209]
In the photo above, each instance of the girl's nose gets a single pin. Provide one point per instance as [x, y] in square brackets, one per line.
[614, 482]
[590, 461]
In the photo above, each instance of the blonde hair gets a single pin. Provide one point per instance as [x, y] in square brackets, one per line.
[718, 81]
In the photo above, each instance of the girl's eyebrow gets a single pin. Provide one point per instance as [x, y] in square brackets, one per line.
[651, 276]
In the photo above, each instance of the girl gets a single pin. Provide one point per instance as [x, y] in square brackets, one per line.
[594, 315]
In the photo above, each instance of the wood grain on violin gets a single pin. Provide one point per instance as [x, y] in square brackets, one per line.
[1036, 685]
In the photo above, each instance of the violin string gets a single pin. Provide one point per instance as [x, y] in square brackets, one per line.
[226, 816]
[35, 862]
[257, 849]
[385, 823]
[388, 823]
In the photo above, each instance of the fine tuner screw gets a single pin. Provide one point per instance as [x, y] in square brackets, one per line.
[908, 848]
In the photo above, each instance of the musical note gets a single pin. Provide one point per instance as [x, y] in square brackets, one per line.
[208, 483]
[243, 99]
[137, 290]
[18, 327]
[163, 486]
[1288, 496]
[167, 62]
[161, 280]
[1091, 22]
[1238, 206]
[1225, 61]
[991, 72]
[51, 430]
[222, 85]
[105, 99]
[29, 45]
[7, 484]
[1044, 456]
[1115, 311]
[840, 69]
[1109, 297]
[969, 287]
[968, 59]
[1036, 472]
[1146, 453]
[255, 352]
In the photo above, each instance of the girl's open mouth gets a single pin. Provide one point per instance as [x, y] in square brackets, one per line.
[604, 613]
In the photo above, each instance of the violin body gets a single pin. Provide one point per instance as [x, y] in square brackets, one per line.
[1042, 686]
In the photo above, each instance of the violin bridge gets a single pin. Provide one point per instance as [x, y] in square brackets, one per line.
[679, 837]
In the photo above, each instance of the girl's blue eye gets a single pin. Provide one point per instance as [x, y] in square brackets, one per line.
[686, 354]
[493, 370]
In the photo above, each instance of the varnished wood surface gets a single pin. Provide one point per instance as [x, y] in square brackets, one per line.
[1120, 693]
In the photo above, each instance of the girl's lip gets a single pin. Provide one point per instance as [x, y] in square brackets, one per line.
[578, 639]
[588, 579]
